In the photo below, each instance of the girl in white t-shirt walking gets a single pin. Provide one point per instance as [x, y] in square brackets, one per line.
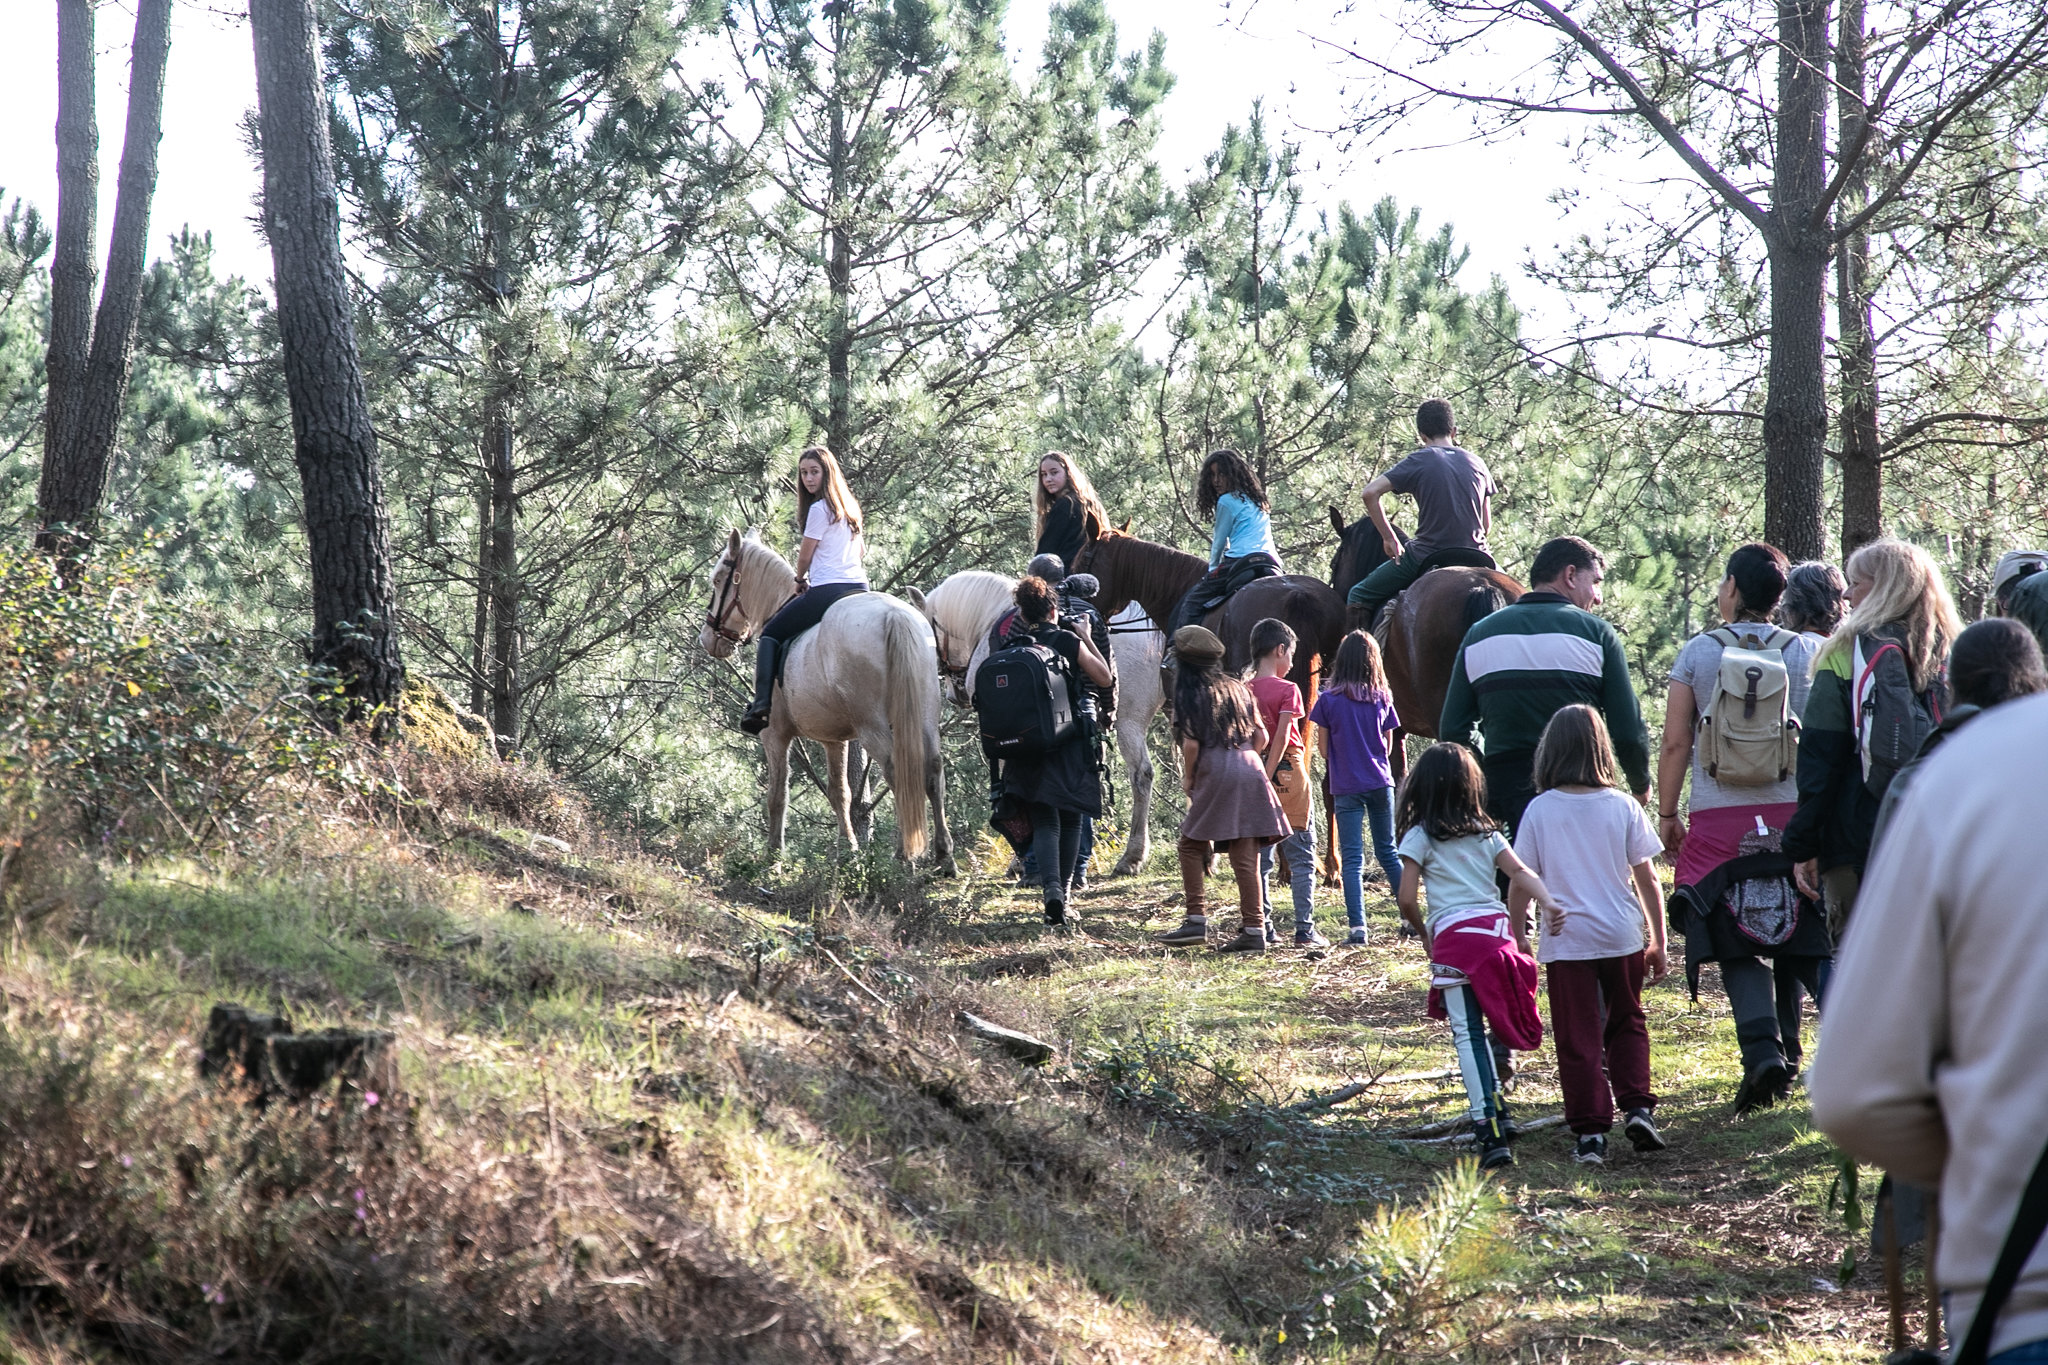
[1593, 846]
[828, 567]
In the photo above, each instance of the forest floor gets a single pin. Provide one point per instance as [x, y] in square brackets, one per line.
[659, 1107]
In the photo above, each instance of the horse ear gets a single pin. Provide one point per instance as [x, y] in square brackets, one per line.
[732, 546]
[1125, 529]
[1336, 519]
[917, 600]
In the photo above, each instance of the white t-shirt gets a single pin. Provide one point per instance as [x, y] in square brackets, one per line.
[1457, 874]
[1584, 846]
[839, 548]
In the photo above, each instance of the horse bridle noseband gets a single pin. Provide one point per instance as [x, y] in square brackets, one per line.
[716, 616]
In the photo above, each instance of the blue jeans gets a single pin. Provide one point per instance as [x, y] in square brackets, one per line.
[1352, 811]
[1301, 873]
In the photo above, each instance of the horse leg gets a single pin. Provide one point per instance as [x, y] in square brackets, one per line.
[1398, 757]
[1330, 858]
[1137, 756]
[935, 797]
[836, 792]
[775, 746]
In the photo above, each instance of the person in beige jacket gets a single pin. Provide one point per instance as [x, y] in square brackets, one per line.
[1931, 1056]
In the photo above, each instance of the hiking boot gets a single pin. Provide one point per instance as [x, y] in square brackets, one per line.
[1762, 1087]
[1055, 913]
[1355, 939]
[1590, 1149]
[1493, 1146]
[1192, 933]
[1309, 938]
[1247, 941]
[1509, 1129]
[1642, 1131]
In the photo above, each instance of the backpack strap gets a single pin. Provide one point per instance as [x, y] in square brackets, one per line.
[2028, 1223]
[1726, 638]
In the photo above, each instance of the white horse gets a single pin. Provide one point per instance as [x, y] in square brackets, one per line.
[964, 608]
[867, 672]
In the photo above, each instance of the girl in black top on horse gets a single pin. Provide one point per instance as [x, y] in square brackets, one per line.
[833, 548]
[1069, 513]
[1060, 787]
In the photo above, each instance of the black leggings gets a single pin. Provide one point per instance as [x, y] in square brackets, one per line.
[806, 610]
[1056, 845]
[1762, 1027]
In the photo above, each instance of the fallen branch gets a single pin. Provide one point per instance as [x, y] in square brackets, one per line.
[1460, 1130]
[1026, 1049]
[848, 973]
[1349, 1092]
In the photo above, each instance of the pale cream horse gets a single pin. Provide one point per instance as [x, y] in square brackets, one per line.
[964, 608]
[867, 672]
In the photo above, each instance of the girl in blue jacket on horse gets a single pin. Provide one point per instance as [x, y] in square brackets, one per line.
[1242, 547]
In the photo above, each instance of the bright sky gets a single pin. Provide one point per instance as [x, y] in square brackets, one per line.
[1496, 197]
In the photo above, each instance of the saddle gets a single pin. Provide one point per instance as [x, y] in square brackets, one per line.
[1450, 557]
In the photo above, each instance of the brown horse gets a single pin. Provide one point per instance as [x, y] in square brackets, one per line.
[1420, 631]
[1156, 577]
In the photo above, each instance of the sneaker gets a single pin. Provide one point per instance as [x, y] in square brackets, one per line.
[1409, 931]
[1761, 1088]
[1309, 938]
[1590, 1149]
[1493, 1146]
[1642, 1131]
[1192, 933]
[1081, 878]
[1355, 939]
[1247, 941]
[1509, 1129]
[1272, 935]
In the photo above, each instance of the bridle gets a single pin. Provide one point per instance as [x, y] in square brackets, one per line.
[716, 616]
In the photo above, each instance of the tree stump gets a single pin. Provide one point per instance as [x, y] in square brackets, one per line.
[261, 1051]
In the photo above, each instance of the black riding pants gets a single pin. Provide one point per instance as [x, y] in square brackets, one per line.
[806, 609]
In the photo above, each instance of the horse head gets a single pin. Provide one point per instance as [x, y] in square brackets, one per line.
[1359, 551]
[749, 582]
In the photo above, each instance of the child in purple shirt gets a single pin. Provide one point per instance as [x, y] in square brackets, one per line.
[1355, 722]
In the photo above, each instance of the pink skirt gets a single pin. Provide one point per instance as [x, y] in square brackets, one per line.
[1712, 837]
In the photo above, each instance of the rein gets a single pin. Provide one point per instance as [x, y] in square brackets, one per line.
[716, 616]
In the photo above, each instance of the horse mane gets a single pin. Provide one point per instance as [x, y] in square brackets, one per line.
[969, 602]
[766, 580]
[1146, 571]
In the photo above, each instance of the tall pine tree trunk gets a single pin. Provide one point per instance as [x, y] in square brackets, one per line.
[74, 475]
[505, 697]
[839, 280]
[1795, 403]
[1856, 340]
[479, 639]
[72, 274]
[355, 596]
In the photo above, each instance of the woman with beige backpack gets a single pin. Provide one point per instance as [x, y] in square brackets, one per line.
[1732, 724]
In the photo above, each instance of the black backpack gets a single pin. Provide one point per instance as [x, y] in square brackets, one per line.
[1892, 720]
[1025, 699]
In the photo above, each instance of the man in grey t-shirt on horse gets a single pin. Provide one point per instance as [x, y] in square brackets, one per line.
[1453, 507]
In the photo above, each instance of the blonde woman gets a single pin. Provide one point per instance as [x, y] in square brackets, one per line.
[1069, 513]
[828, 567]
[1896, 593]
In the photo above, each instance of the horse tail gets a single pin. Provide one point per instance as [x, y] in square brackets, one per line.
[1483, 599]
[912, 684]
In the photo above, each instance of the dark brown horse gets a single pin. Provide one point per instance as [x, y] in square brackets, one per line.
[1156, 577]
[1421, 630]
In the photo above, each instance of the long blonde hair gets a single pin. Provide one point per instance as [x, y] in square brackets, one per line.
[1907, 592]
[839, 499]
[1093, 518]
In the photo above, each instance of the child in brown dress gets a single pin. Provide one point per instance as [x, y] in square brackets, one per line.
[1231, 805]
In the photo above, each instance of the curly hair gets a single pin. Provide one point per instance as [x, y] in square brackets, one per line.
[1212, 708]
[1238, 478]
[1034, 598]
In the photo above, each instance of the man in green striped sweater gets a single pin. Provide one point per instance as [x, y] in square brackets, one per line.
[1525, 662]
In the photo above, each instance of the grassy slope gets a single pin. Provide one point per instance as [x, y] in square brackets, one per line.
[651, 1115]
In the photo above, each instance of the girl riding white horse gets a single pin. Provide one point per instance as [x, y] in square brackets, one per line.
[867, 671]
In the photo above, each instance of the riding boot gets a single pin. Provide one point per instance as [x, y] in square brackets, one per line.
[767, 664]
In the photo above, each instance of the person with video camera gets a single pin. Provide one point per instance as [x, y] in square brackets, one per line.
[1096, 704]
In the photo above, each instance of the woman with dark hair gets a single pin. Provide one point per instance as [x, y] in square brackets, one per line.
[1733, 896]
[1241, 549]
[1815, 598]
[1231, 805]
[1057, 788]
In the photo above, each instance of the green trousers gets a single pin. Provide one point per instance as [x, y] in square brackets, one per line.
[1383, 584]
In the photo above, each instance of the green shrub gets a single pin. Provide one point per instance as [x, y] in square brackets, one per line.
[126, 724]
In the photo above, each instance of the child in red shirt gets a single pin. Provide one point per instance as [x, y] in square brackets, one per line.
[1281, 711]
